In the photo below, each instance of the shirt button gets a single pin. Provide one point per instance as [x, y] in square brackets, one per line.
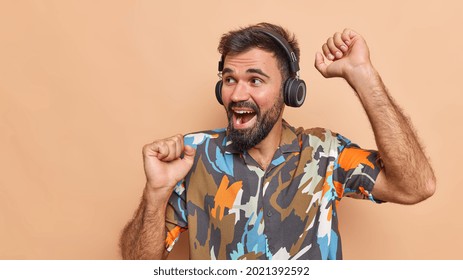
[269, 213]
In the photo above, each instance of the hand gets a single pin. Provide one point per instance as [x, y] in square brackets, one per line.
[348, 52]
[164, 167]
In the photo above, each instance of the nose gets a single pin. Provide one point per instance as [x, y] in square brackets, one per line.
[241, 92]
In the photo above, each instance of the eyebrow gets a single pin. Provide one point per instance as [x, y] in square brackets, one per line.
[250, 70]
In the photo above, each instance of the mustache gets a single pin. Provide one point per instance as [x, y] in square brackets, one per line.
[243, 104]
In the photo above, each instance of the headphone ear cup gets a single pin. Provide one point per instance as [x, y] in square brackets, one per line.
[294, 92]
[218, 92]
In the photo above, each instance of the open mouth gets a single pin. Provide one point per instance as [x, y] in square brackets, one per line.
[243, 117]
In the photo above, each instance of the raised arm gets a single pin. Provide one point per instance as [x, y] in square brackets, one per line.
[406, 176]
[144, 236]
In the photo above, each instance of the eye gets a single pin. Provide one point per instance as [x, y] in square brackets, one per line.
[229, 80]
[256, 81]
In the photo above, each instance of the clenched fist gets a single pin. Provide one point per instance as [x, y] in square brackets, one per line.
[165, 165]
[349, 56]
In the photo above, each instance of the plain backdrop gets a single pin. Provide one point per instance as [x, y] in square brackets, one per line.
[85, 84]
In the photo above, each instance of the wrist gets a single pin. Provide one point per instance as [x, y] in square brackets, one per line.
[156, 196]
[363, 76]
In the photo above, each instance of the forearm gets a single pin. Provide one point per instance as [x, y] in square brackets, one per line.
[144, 236]
[409, 176]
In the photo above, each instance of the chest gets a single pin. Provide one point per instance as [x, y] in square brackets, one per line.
[293, 182]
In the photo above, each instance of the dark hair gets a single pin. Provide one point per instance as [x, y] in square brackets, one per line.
[243, 39]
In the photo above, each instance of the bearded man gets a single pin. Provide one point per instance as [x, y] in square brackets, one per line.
[260, 188]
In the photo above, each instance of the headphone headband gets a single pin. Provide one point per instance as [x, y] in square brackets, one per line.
[293, 64]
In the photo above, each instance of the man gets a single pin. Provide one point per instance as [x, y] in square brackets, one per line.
[261, 189]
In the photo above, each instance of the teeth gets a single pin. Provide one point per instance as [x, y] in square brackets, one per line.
[244, 112]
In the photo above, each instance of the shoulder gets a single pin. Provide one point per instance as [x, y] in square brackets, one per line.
[320, 133]
[324, 137]
[198, 138]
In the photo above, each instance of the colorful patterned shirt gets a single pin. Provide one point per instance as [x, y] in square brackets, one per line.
[235, 210]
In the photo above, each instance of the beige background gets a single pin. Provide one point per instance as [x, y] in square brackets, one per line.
[85, 84]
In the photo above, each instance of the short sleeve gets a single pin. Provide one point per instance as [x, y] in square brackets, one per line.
[176, 213]
[355, 170]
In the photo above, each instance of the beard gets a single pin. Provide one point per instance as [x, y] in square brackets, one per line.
[245, 139]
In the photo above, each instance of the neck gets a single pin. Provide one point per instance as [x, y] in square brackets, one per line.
[263, 152]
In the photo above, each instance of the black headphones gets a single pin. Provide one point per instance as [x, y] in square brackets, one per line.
[294, 89]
